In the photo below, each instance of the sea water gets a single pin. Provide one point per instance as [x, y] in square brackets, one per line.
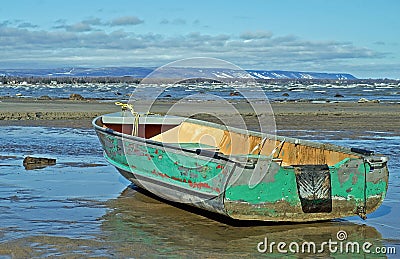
[384, 92]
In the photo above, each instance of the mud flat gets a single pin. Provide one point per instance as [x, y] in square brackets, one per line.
[81, 207]
[289, 115]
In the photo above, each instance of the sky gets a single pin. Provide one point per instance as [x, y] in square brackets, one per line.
[360, 37]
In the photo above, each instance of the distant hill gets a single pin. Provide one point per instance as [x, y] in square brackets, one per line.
[278, 74]
[142, 72]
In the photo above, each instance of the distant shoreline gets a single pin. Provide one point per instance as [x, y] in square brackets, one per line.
[18, 80]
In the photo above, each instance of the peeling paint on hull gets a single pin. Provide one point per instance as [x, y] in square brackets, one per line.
[355, 185]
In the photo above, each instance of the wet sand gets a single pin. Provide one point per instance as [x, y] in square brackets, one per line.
[76, 210]
[288, 116]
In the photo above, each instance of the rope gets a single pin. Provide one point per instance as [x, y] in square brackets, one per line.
[127, 106]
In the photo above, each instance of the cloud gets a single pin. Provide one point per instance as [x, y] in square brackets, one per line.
[93, 42]
[126, 20]
[95, 24]
[379, 43]
[5, 23]
[60, 21]
[164, 21]
[177, 21]
[27, 25]
[78, 27]
[93, 21]
[250, 35]
[82, 26]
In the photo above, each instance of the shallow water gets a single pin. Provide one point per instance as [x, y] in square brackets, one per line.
[82, 207]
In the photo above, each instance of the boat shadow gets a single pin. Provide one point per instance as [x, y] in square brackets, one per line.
[138, 217]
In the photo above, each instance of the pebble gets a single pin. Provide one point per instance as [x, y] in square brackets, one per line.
[364, 100]
[76, 97]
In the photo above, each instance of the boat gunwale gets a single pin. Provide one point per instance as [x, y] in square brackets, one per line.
[296, 141]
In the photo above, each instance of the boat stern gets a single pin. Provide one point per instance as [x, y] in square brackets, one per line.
[299, 193]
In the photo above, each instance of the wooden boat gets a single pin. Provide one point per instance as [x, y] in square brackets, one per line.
[242, 174]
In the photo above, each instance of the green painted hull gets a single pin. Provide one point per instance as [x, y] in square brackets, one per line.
[179, 172]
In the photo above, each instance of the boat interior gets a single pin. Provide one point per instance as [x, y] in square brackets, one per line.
[227, 141]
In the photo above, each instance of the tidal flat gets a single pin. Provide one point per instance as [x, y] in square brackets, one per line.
[82, 207]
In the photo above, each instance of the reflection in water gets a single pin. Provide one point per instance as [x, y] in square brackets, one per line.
[140, 224]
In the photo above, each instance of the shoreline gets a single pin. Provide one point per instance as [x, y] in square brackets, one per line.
[288, 115]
